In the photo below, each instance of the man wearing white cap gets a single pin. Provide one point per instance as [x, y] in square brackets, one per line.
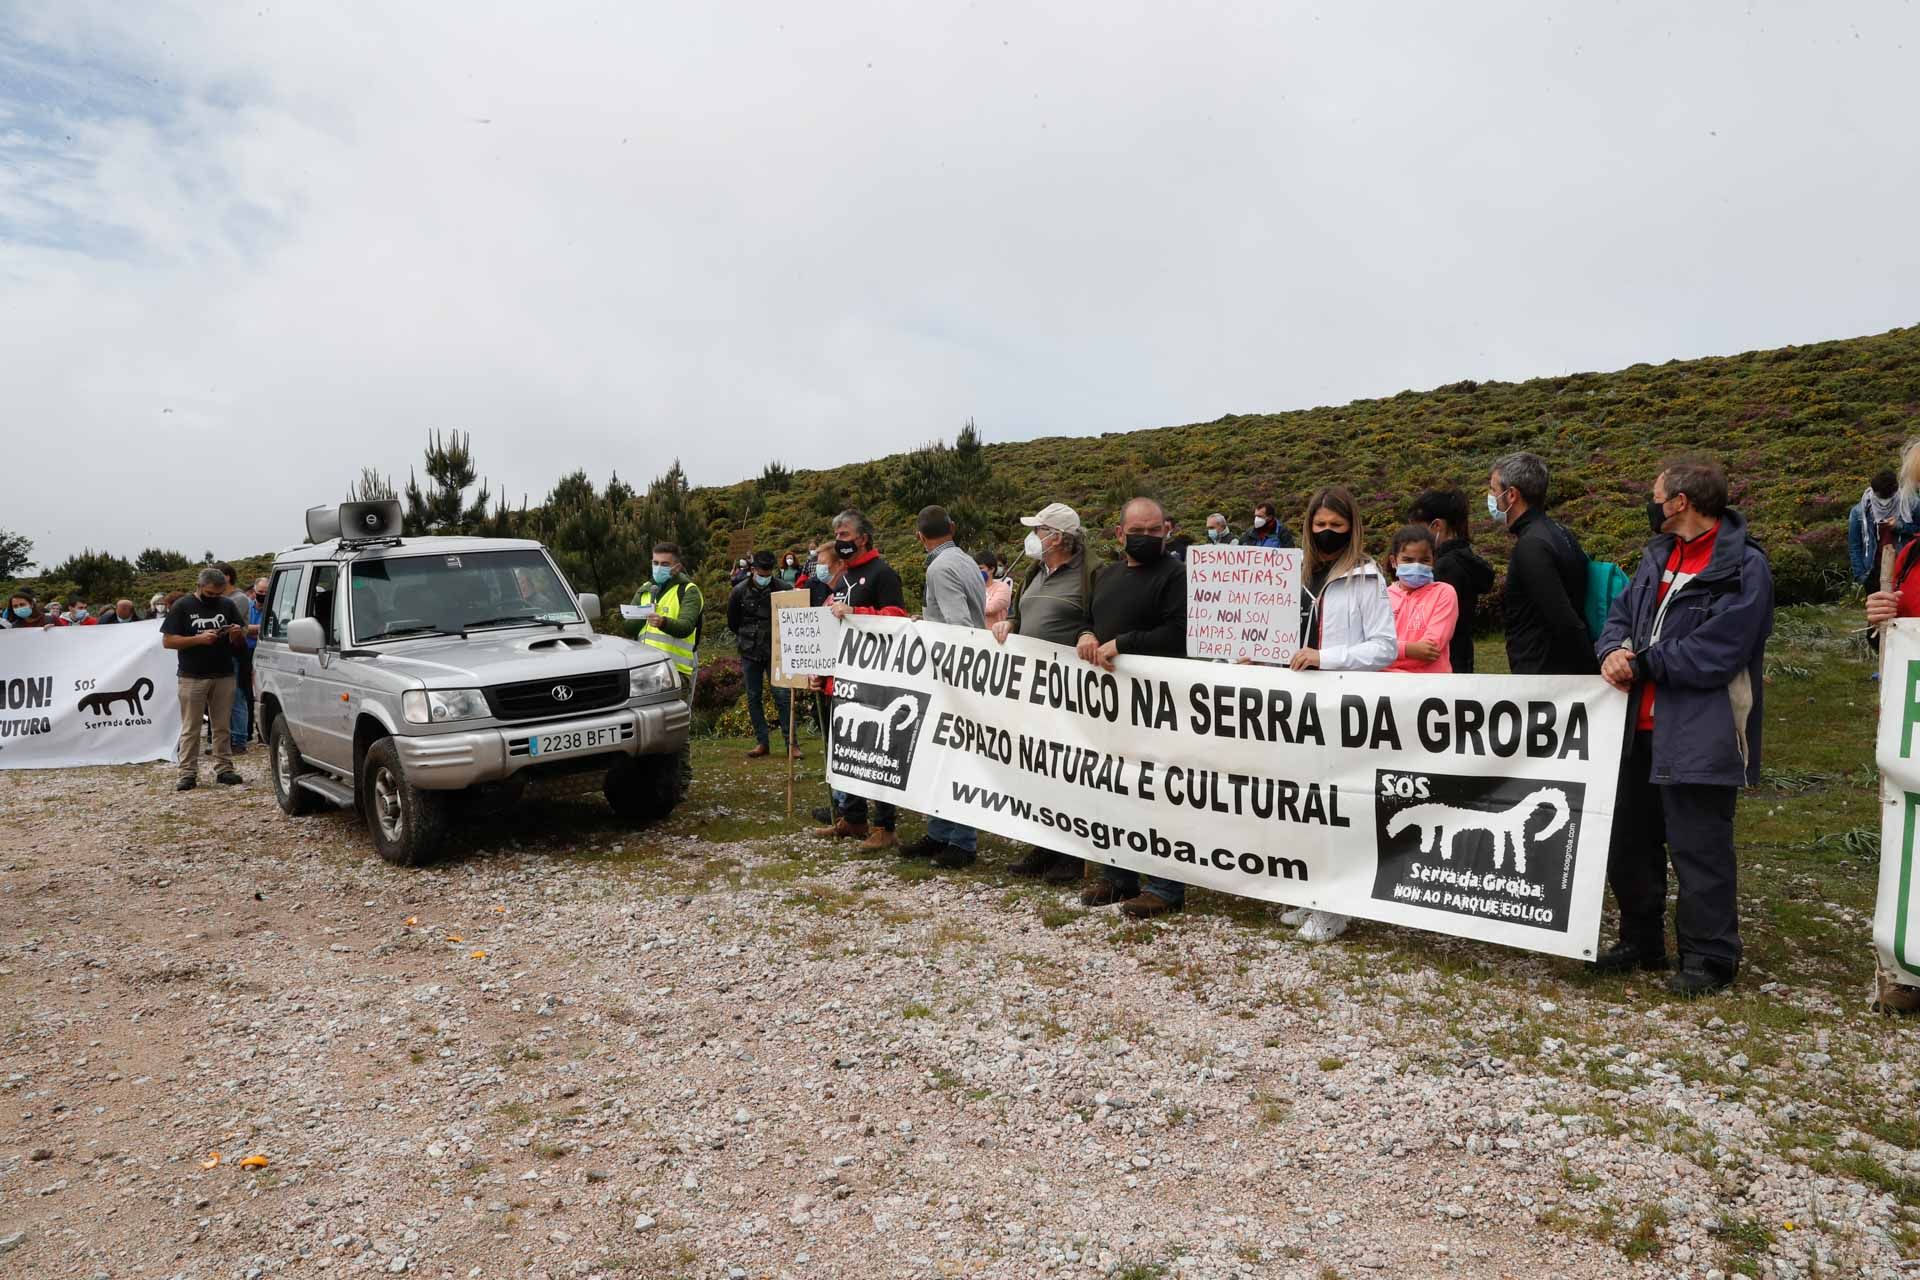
[1051, 606]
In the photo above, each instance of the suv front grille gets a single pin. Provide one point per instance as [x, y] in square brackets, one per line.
[533, 699]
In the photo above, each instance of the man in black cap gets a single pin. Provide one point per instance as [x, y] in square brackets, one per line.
[750, 618]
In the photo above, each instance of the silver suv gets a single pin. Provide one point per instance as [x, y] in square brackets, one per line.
[393, 674]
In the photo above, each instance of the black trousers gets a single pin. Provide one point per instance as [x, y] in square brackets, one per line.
[1692, 825]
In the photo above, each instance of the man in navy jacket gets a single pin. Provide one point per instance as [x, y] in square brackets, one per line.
[1687, 640]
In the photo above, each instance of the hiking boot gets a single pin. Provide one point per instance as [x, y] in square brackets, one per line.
[1698, 978]
[1037, 862]
[954, 858]
[1065, 870]
[186, 784]
[1102, 893]
[924, 847]
[228, 778]
[793, 751]
[1625, 957]
[1145, 906]
[880, 839]
[822, 813]
[757, 752]
[842, 830]
[1893, 997]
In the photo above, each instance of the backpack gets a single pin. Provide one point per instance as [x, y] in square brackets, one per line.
[1605, 582]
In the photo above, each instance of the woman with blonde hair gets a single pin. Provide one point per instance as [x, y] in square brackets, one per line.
[1346, 624]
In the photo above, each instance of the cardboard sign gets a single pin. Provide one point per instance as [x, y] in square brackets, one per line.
[785, 602]
[1243, 602]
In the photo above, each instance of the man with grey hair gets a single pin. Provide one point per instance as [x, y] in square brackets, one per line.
[1051, 606]
[1546, 591]
[204, 629]
[1219, 532]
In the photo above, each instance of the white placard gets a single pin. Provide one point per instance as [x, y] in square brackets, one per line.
[1896, 911]
[809, 643]
[1480, 806]
[1243, 602]
[636, 612]
[87, 695]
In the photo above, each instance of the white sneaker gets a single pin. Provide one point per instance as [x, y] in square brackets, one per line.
[1324, 926]
[1295, 917]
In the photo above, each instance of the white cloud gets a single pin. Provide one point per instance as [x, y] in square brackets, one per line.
[731, 232]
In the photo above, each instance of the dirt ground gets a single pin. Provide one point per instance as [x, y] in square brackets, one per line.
[720, 1048]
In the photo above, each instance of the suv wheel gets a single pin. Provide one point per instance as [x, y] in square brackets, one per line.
[646, 788]
[287, 766]
[407, 823]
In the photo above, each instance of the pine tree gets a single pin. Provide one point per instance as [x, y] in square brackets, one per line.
[442, 507]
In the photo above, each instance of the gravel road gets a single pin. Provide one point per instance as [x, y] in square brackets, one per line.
[573, 1050]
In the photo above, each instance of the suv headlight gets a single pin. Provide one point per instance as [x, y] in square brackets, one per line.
[431, 706]
[654, 677]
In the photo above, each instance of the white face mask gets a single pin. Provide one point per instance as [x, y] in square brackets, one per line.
[1259, 522]
[1032, 546]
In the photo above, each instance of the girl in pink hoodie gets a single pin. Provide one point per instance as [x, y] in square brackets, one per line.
[1424, 611]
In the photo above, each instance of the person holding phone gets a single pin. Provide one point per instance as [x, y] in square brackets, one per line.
[204, 630]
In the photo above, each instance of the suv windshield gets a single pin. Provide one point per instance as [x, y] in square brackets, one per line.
[419, 595]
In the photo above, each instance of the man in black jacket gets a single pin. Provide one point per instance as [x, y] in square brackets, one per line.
[1546, 575]
[1456, 563]
[866, 584]
[1139, 606]
[750, 618]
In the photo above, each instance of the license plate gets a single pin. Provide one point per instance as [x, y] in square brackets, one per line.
[569, 741]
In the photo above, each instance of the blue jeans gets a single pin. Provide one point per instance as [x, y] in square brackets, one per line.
[854, 809]
[237, 722]
[1171, 892]
[952, 833]
[756, 672]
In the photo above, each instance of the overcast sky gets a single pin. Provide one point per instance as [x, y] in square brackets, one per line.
[247, 248]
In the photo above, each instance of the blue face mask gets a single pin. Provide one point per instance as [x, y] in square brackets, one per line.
[1493, 509]
[662, 574]
[1414, 576]
[23, 611]
[762, 579]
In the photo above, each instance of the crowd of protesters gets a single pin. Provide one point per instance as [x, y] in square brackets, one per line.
[1683, 638]
[216, 680]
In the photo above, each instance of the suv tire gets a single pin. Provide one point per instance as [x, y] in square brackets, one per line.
[646, 788]
[406, 822]
[286, 766]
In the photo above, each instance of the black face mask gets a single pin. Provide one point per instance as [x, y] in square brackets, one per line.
[846, 550]
[1331, 541]
[1146, 547]
[1656, 514]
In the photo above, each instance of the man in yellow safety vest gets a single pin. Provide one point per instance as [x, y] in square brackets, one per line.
[674, 605]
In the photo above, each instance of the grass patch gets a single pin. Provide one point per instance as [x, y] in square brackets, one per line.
[1332, 1064]
[916, 1010]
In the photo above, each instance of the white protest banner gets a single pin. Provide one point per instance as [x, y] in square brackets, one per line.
[1472, 805]
[87, 695]
[1896, 910]
[809, 642]
[1243, 602]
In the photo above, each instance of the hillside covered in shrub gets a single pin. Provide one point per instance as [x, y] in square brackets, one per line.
[1799, 430]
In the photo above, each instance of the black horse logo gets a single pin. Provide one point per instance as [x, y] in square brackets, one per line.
[101, 704]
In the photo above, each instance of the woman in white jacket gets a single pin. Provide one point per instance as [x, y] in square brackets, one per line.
[1346, 624]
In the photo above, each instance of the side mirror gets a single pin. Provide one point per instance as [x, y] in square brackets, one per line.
[590, 606]
[305, 635]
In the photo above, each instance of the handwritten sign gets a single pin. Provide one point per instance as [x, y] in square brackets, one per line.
[1243, 602]
[806, 641]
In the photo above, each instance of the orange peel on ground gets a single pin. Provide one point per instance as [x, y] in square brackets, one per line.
[213, 1158]
[255, 1162]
